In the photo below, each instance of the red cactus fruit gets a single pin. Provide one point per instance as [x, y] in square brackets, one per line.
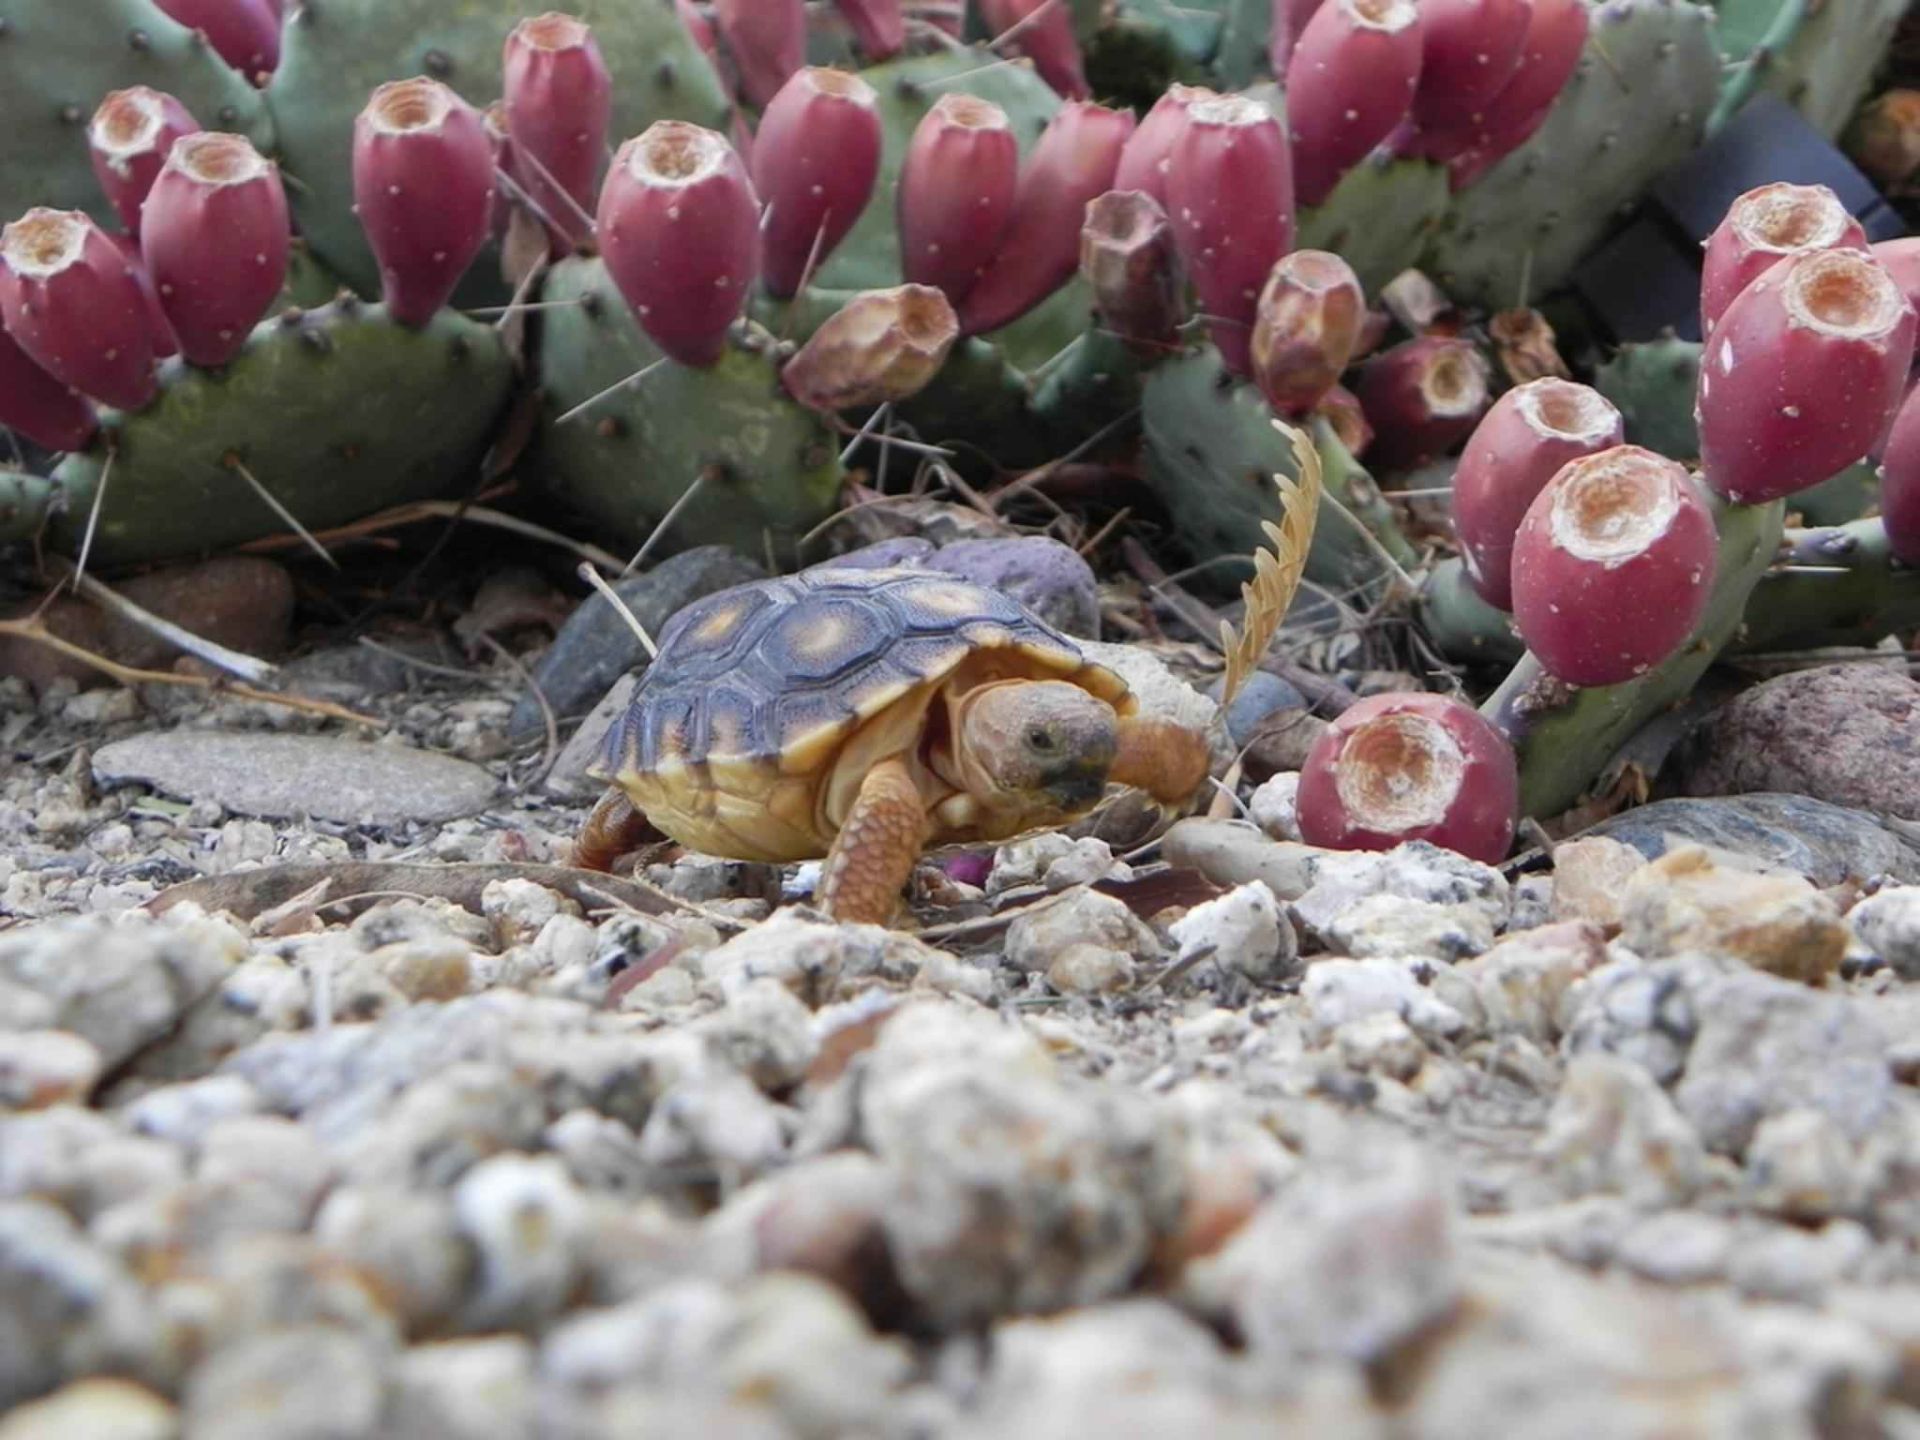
[1149, 151]
[1803, 374]
[1422, 398]
[768, 42]
[699, 27]
[165, 343]
[879, 26]
[423, 189]
[559, 103]
[1072, 165]
[500, 211]
[1306, 328]
[215, 241]
[1470, 50]
[680, 232]
[1128, 258]
[1900, 483]
[1531, 433]
[1349, 84]
[1762, 228]
[1230, 196]
[1290, 18]
[38, 407]
[957, 188]
[1409, 766]
[244, 33]
[129, 138]
[1341, 409]
[815, 161]
[1612, 566]
[1041, 30]
[1901, 259]
[1471, 144]
[72, 302]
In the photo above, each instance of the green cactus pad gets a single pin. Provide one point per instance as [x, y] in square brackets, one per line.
[1820, 55]
[1833, 586]
[1211, 455]
[869, 258]
[1353, 221]
[1637, 104]
[60, 58]
[1564, 736]
[336, 53]
[773, 466]
[336, 412]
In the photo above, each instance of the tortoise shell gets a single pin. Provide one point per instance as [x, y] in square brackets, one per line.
[757, 691]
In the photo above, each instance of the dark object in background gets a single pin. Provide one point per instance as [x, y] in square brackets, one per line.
[1646, 279]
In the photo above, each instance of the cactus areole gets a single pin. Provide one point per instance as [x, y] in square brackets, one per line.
[679, 230]
[71, 300]
[215, 241]
[1613, 566]
[1803, 375]
[1764, 227]
[423, 189]
[129, 136]
[1405, 767]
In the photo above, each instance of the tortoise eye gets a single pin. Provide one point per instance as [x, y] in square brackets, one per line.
[1039, 739]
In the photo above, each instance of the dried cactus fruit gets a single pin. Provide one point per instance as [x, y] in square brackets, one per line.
[35, 405]
[956, 193]
[1072, 165]
[129, 137]
[559, 105]
[1230, 196]
[70, 299]
[215, 241]
[1401, 767]
[244, 33]
[1422, 398]
[1128, 259]
[768, 42]
[882, 345]
[1529, 435]
[1612, 566]
[1803, 374]
[1351, 81]
[1041, 30]
[679, 229]
[1342, 411]
[423, 189]
[1762, 228]
[1149, 150]
[1306, 329]
[815, 160]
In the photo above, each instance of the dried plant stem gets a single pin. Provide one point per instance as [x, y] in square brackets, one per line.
[1277, 572]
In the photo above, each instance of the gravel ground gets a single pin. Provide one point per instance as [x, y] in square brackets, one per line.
[1360, 1145]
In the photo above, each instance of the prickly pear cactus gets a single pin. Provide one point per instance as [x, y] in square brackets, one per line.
[771, 468]
[1638, 103]
[58, 61]
[1820, 55]
[335, 412]
[1348, 222]
[1211, 454]
[337, 51]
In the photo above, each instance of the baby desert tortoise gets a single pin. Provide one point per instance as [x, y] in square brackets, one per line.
[863, 715]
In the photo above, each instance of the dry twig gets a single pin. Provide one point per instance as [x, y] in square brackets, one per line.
[1277, 573]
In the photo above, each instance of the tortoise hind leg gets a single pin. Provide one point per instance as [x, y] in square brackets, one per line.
[613, 828]
[874, 854]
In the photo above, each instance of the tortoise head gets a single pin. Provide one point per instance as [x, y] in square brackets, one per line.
[1037, 746]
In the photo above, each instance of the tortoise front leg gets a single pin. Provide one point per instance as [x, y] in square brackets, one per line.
[613, 828]
[1167, 761]
[874, 853]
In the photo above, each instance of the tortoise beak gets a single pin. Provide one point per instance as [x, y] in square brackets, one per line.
[1080, 785]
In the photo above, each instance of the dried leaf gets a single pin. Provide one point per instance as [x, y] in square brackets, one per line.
[1277, 572]
[248, 894]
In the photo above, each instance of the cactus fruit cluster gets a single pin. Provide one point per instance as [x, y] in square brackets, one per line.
[298, 267]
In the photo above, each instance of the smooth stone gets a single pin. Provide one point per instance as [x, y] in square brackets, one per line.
[1848, 734]
[1826, 843]
[1263, 694]
[1049, 578]
[596, 647]
[285, 777]
[883, 555]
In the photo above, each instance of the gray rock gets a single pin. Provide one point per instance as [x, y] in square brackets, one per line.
[465, 1390]
[1678, 1247]
[595, 647]
[902, 550]
[96, 1409]
[1848, 734]
[1826, 843]
[1888, 924]
[81, 1161]
[1392, 926]
[1614, 1131]
[67, 1308]
[1338, 992]
[287, 777]
[524, 1219]
[310, 1383]
[1643, 1013]
[1047, 577]
[119, 983]
[46, 1067]
[409, 1239]
[1245, 929]
[1087, 917]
